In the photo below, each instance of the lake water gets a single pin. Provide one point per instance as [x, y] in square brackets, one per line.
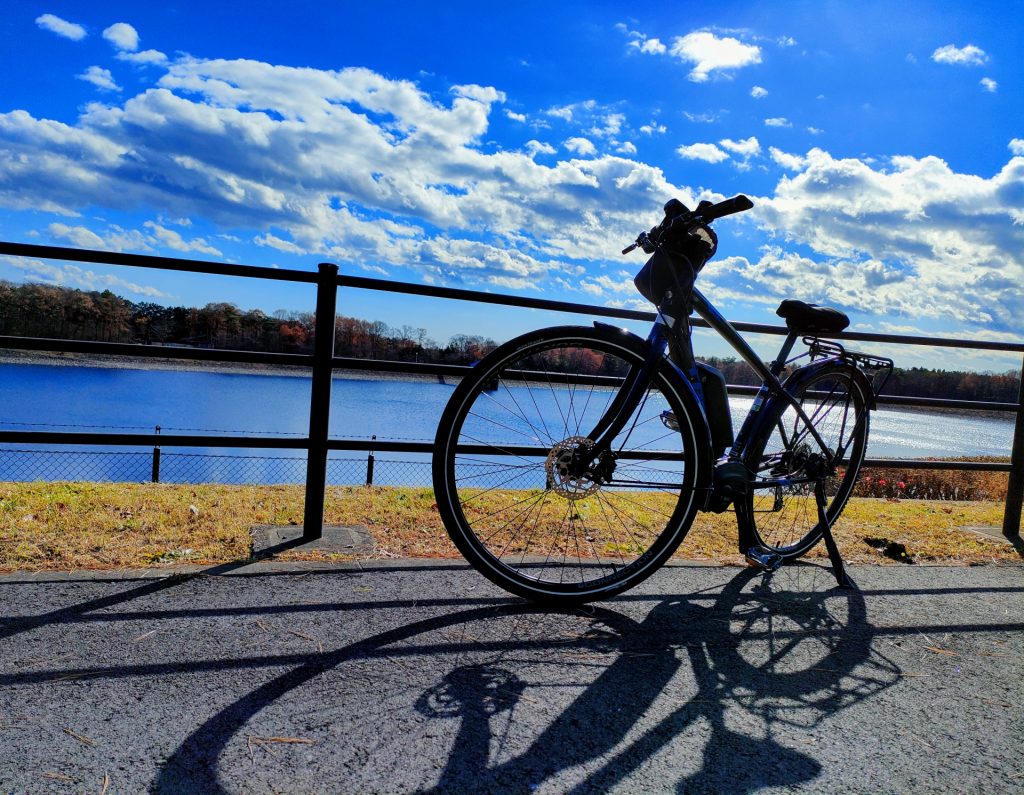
[78, 399]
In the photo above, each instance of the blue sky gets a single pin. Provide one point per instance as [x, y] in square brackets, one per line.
[518, 147]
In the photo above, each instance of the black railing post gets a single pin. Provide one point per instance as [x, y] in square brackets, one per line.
[1015, 486]
[320, 401]
[156, 460]
[369, 463]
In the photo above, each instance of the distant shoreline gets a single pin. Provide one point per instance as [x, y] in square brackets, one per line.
[116, 362]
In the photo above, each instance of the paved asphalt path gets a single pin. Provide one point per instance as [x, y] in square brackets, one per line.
[424, 678]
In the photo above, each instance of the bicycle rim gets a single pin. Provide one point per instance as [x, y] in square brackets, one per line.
[785, 519]
[503, 483]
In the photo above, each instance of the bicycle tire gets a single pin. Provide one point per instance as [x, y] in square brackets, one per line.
[835, 398]
[516, 517]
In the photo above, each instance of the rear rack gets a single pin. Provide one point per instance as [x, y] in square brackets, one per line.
[876, 368]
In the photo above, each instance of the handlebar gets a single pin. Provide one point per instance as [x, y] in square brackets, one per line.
[737, 204]
[676, 211]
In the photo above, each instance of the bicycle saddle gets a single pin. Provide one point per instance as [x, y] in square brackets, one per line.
[801, 317]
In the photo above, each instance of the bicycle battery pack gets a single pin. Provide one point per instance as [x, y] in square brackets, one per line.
[716, 407]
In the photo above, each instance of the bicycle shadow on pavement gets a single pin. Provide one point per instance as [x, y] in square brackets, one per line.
[745, 656]
[776, 655]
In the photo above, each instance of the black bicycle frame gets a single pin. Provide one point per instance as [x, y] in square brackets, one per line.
[669, 329]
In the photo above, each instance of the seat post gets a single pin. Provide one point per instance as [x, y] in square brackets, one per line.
[780, 361]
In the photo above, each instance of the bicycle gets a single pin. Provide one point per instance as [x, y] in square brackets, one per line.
[571, 462]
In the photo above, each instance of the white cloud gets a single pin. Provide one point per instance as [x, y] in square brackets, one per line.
[172, 240]
[787, 161]
[758, 92]
[114, 238]
[706, 152]
[709, 54]
[150, 57]
[54, 24]
[535, 148]
[123, 36]
[69, 275]
[345, 164]
[747, 148]
[580, 146]
[519, 117]
[910, 239]
[653, 129]
[989, 84]
[815, 130]
[701, 118]
[355, 167]
[649, 46]
[626, 148]
[610, 125]
[779, 121]
[272, 241]
[641, 42]
[960, 56]
[100, 77]
[485, 95]
[786, 41]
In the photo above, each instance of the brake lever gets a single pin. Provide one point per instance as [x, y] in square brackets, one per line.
[640, 240]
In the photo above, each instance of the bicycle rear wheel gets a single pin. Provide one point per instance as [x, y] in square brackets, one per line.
[503, 475]
[784, 519]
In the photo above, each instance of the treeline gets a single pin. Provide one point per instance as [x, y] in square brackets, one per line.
[34, 310]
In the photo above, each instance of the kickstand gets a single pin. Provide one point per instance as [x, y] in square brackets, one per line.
[830, 543]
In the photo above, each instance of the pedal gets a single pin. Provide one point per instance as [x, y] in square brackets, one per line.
[763, 560]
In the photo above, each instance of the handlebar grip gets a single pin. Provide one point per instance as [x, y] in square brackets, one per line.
[737, 204]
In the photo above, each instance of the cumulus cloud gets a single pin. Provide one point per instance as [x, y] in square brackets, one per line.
[580, 146]
[710, 54]
[360, 168]
[100, 77]
[960, 56]
[535, 148]
[642, 43]
[786, 160]
[54, 24]
[69, 275]
[758, 92]
[123, 36]
[150, 57]
[346, 164]
[709, 153]
[747, 148]
[912, 239]
[170, 239]
[778, 121]
[519, 117]
[989, 84]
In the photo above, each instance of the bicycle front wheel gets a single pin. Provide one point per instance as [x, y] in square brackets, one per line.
[507, 489]
[784, 518]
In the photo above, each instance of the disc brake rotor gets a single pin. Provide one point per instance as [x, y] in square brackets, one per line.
[559, 467]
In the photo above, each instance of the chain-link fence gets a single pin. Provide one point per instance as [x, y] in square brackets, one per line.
[159, 466]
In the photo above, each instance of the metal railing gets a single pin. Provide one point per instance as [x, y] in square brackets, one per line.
[322, 362]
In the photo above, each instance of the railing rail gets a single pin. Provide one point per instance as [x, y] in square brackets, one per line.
[322, 362]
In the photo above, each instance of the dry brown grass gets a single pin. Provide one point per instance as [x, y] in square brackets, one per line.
[61, 526]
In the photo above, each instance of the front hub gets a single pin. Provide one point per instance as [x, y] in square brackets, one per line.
[567, 468]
